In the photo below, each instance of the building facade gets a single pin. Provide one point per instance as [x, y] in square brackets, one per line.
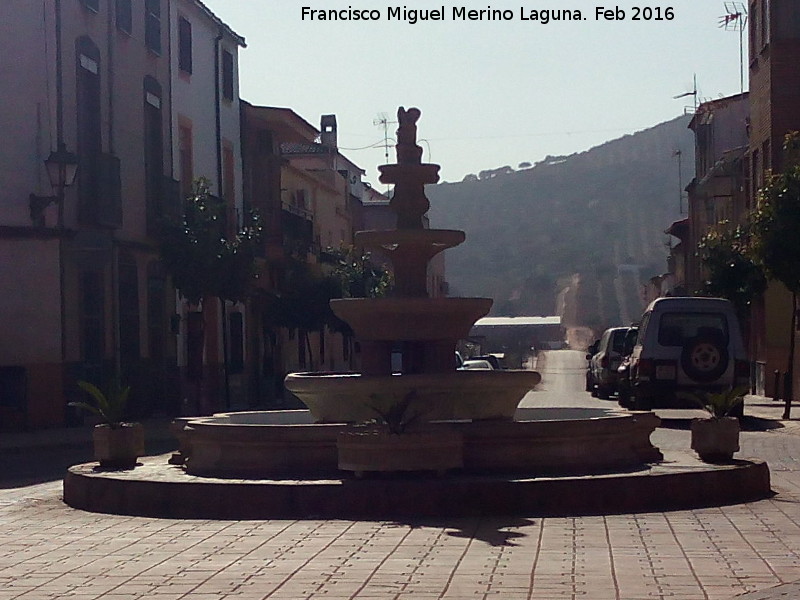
[774, 32]
[91, 79]
[103, 85]
[206, 143]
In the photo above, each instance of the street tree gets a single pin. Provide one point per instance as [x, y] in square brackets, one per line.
[209, 257]
[731, 271]
[776, 234]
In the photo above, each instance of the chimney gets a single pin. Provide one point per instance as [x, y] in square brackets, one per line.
[328, 128]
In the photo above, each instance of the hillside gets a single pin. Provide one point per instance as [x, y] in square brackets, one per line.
[578, 218]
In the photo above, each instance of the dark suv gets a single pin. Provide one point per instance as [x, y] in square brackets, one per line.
[604, 364]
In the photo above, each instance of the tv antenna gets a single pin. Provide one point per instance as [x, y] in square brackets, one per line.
[735, 19]
[692, 93]
[382, 120]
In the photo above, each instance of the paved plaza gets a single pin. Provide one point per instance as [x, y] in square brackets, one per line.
[48, 550]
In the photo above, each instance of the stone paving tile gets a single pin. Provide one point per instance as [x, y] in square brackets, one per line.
[50, 551]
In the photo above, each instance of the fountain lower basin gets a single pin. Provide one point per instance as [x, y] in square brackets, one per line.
[453, 396]
[537, 441]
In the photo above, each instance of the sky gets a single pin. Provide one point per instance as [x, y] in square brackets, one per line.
[492, 92]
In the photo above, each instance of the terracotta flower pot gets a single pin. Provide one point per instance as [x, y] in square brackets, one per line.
[715, 440]
[378, 450]
[118, 448]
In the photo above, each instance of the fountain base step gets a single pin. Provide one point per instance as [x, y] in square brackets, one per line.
[157, 489]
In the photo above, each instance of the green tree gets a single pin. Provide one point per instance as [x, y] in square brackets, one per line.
[732, 272]
[357, 274]
[207, 257]
[776, 229]
[203, 259]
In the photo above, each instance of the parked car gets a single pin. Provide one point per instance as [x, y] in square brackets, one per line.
[686, 346]
[606, 361]
[624, 370]
[492, 359]
[479, 364]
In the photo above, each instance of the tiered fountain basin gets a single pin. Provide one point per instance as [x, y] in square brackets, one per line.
[454, 396]
[274, 444]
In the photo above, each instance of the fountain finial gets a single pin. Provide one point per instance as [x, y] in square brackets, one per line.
[408, 152]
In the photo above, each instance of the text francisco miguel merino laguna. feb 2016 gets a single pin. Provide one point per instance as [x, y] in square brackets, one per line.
[412, 16]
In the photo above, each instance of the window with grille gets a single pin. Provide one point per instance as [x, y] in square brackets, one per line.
[185, 45]
[152, 25]
[124, 15]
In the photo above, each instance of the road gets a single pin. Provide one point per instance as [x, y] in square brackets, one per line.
[563, 381]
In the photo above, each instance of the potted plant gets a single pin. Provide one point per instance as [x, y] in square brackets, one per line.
[716, 438]
[117, 444]
[393, 441]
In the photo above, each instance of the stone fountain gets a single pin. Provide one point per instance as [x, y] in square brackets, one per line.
[421, 329]
[270, 464]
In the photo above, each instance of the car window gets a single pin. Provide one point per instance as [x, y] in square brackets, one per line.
[676, 328]
[643, 328]
[618, 340]
[630, 341]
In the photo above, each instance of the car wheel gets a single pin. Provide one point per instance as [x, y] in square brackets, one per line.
[603, 393]
[704, 359]
[637, 403]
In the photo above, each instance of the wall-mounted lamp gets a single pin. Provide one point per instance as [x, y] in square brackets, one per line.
[62, 166]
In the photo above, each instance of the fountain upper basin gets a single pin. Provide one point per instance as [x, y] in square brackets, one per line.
[458, 395]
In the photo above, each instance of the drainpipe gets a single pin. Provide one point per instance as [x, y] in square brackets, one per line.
[60, 224]
[115, 320]
[218, 115]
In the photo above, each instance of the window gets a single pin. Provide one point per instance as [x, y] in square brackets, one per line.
[228, 177]
[89, 126]
[185, 45]
[676, 328]
[236, 355]
[185, 156]
[756, 178]
[152, 25]
[92, 5]
[227, 75]
[128, 310]
[153, 152]
[124, 16]
[156, 312]
[92, 301]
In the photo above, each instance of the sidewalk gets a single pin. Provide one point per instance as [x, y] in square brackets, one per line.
[747, 551]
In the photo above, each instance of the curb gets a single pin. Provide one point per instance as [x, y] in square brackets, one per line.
[155, 489]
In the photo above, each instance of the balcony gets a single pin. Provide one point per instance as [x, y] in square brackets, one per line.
[298, 211]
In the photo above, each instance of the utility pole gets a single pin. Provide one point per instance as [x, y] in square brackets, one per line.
[679, 154]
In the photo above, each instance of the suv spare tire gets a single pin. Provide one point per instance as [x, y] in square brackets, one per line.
[704, 358]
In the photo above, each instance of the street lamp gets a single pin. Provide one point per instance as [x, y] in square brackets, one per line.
[62, 166]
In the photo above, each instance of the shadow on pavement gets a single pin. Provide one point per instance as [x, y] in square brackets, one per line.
[491, 530]
[43, 465]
